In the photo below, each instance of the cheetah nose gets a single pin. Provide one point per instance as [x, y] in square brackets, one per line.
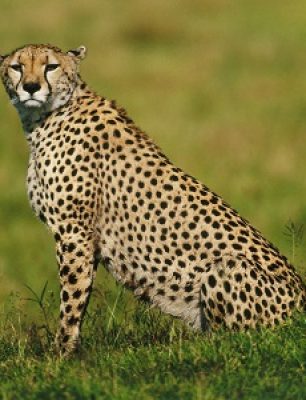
[31, 87]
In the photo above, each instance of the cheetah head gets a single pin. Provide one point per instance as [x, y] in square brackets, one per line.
[40, 76]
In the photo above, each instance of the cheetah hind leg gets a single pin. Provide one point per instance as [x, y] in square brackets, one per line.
[238, 294]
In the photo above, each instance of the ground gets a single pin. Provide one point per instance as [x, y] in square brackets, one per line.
[221, 89]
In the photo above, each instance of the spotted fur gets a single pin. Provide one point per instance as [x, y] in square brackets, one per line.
[107, 192]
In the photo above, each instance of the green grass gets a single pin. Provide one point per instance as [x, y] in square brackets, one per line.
[133, 352]
[221, 87]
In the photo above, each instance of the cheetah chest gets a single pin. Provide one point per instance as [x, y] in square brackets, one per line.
[62, 186]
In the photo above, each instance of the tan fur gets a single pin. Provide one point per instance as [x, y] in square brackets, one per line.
[106, 191]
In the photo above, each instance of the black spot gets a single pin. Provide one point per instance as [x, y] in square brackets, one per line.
[247, 313]
[68, 308]
[100, 127]
[212, 281]
[142, 281]
[258, 291]
[273, 308]
[72, 279]
[230, 308]
[238, 277]
[42, 217]
[73, 320]
[242, 296]
[77, 294]
[188, 299]
[117, 133]
[219, 296]
[65, 295]
[227, 286]
[65, 270]
[65, 340]
[258, 308]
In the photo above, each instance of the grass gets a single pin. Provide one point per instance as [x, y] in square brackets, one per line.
[141, 354]
[221, 87]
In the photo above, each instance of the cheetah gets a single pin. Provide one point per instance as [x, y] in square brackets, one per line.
[109, 195]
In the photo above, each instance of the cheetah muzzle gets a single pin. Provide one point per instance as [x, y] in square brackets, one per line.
[106, 191]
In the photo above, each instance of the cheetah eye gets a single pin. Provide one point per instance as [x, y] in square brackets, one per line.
[51, 67]
[16, 67]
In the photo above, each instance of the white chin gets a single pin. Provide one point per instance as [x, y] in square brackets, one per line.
[33, 103]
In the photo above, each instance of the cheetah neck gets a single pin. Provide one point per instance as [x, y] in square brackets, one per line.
[33, 117]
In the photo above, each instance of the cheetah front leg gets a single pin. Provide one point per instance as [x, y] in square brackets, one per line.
[77, 262]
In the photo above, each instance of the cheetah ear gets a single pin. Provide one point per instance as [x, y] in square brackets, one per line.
[79, 53]
[2, 59]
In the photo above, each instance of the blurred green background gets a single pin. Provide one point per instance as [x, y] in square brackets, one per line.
[219, 85]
